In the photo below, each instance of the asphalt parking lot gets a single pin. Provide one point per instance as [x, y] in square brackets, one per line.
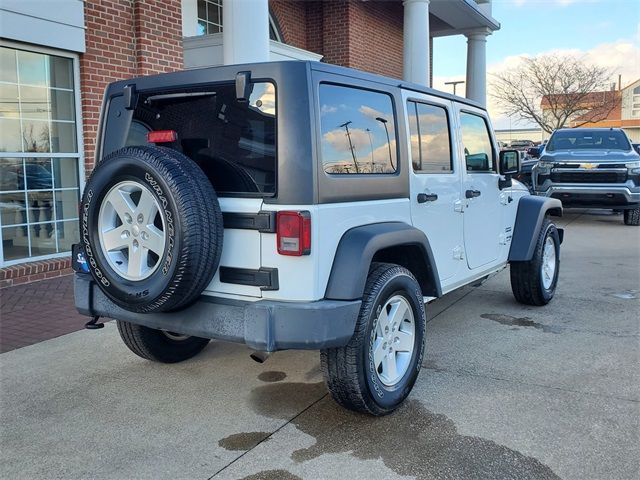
[506, 392]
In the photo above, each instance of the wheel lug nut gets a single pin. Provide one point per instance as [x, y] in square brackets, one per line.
[144, 236]
[126, 234]
[127, 218]
[135, 243]
[140, 218]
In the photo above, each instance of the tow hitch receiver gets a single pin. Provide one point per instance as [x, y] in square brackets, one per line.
[93, 324]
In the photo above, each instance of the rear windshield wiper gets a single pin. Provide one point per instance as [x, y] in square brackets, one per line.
[173, 96]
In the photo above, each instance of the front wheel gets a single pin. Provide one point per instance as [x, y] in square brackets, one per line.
[632, 217]
[534, 282]
[159, 345]
[377, 369]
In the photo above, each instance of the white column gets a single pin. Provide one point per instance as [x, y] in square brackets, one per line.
[476, 84]
[416, 41]
[245, 31]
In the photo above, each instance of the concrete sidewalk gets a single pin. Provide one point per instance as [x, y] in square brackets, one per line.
[506, 392]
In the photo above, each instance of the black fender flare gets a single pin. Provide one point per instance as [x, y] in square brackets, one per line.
[357, 248]
[531, 213]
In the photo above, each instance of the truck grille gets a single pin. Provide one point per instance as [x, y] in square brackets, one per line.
[588, 177]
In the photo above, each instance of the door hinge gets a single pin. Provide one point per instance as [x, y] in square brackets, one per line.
[502, 239]
[458, 206]
[504, 198]
[458, 253]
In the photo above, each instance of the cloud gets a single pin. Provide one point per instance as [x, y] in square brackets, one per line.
[326, 109]
[372, 113]
[338, 139]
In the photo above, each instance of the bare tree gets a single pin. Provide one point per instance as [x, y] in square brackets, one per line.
[555, 90]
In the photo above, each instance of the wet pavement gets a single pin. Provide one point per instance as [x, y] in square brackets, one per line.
[506, 392]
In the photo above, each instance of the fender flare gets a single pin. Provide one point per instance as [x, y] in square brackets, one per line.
[357, 248]
[531, 213]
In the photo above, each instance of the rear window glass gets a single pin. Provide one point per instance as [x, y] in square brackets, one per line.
[233, 142]
[584, 139]
[358, 131]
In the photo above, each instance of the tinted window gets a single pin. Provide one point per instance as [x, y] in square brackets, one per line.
[478, 151]
[358, 131]
[430, 143]
[233, 142]
[581, 139]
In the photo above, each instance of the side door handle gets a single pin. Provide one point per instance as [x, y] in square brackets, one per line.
[424, 197]
[472, 193]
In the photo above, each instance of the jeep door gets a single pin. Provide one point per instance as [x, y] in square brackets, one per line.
[483, 210]
[435, 181]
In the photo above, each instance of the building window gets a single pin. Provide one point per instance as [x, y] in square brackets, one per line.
[358, 131]
[39, 155]
[210, 19]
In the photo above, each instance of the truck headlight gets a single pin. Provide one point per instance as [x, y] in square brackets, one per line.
[544, 168]
[634, 167]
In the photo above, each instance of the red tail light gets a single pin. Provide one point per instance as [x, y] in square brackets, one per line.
[294, 233]
[162, 136]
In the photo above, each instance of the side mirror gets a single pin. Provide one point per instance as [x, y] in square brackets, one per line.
[509, 162]
[244, 87]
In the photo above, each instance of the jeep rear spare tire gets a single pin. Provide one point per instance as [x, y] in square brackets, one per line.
[151, 228]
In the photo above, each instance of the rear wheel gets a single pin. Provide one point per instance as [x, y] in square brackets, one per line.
[377, 369]
[632, 217]
[159, 345]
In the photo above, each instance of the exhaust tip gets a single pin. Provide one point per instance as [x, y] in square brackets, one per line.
[259, 357]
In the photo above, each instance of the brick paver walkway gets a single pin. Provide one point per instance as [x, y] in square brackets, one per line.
[36, 312]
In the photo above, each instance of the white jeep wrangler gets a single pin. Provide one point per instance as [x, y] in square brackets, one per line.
[299, 205]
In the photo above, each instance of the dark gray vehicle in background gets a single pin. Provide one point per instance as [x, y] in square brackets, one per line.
[592, 168]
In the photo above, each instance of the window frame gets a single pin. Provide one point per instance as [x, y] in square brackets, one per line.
[494, 156]
[79, 155]
[396, 130]
[452, 163]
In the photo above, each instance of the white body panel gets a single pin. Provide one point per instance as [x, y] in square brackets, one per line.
[441, 220]
[241, 248]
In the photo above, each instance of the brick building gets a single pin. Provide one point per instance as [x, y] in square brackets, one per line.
[56, 57]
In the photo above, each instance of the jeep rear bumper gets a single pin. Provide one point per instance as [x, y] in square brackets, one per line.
[262, 325]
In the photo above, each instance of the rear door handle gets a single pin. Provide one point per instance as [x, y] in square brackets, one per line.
[472, 193]
[424, 197]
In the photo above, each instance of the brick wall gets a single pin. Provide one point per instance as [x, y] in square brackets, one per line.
[125, 39]
[351, 33]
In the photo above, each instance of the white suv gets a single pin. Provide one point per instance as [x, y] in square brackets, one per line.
[299, 205]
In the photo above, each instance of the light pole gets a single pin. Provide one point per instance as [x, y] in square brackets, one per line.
[386, 129]
[455, 84]
[370, 143]
[345, 125]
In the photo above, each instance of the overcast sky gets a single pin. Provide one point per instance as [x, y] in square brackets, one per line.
[605, 32]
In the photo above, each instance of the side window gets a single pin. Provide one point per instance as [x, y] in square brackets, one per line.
[478, 151]
[358, 131]
[430, 141]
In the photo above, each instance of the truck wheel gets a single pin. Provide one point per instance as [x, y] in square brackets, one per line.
[534, 282]
[158, 345]
[377, 369]
[632, 217]
[151, 228]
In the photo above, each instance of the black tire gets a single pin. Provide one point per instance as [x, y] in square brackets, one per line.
[632, 217]
[193, 224]
[526, 277]
[350, 372]
[158, 346]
